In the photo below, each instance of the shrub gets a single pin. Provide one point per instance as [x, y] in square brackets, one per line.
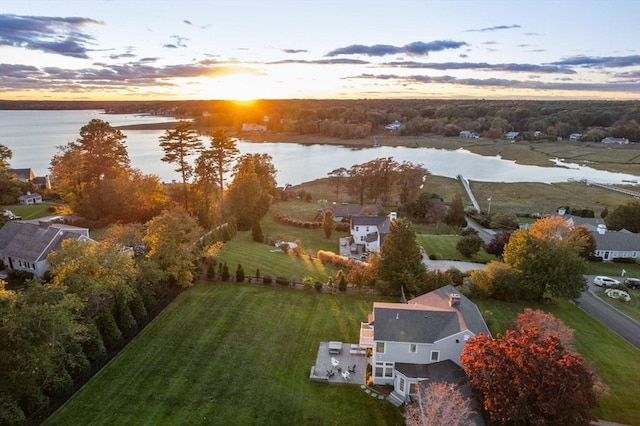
[266, 279]
[225, 272]
[282, 281]
[239, 274]
[318, 286]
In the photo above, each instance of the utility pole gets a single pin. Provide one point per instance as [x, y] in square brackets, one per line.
[489, 200]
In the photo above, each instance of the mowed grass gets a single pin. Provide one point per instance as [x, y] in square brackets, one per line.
[31, 211]
[617, 361]
[445, 245]
[232, 354]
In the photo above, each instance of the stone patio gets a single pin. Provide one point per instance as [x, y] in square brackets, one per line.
[350, 354]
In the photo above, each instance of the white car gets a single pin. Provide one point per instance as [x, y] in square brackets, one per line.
[602, 281]
[614, 293]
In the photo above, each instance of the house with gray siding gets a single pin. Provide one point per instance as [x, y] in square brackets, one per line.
[408, 340]
[25, 245]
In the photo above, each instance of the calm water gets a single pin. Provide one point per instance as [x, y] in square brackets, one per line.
[33, 137]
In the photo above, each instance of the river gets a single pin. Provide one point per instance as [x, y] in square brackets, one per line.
[33, 137]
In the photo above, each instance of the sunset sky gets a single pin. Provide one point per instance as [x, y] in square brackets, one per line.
[189, 49]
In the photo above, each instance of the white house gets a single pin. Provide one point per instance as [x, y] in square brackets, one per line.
[30, 198]
[511, 135]
[620, 141]
[396, 125]
[25, 245]
[408, 341]
[368, 232]
[253, 127]
[575, 136]
[468, 134]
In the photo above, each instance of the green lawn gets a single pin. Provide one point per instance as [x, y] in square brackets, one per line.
[32, 211]
[632, 308]
[238, 354]
[617, 362]
[444, 246]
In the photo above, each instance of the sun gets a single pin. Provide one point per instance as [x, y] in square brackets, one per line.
[235, 87]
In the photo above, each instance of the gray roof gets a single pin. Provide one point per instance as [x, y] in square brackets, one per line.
[33, 242]
[441, 371]
[415, 324]
[468, 310]
[427, 318]
[382, 222]
[617, 240]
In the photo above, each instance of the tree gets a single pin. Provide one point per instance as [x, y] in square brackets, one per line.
[99, 274]
[547, 259]
[178, 145]
[439, 404]
[83, 171]
[497, 243]
[546, 324]
[256, 233]
[327, 223]
[337, 176]
[455, 216]
[411, 180]
[5, 156]
[171, 238]
[469, 245]
[500, 281]
[213, 164]
[400, 256]
[523, 377]
[626, 216]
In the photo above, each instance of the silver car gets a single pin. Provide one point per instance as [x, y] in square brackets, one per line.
[602, 281]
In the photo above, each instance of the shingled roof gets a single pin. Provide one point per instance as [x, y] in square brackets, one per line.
[32, 241]
[427, 318]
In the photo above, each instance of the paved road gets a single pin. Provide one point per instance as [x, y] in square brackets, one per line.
[621, 324]
[484, 233]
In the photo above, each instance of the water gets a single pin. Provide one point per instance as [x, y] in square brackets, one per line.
[34, 135]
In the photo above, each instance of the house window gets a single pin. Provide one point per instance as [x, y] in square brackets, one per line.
[384, 369]
[367, 229]
[380, 347]
[413, 388]
[401, 384]
[435, 356]
[412, 348]
[357, 228]
[457, 340]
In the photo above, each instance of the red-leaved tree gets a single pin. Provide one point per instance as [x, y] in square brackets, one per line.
[524, 377]
[439, 404]
[546, 324]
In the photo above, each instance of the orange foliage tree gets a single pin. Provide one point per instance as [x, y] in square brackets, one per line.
[526, 377]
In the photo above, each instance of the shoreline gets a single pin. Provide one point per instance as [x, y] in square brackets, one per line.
[617, 159]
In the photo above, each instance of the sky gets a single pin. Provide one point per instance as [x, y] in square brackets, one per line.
[307, 49]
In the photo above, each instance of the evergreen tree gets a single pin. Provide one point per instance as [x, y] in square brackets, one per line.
[239, 274]
[327, 223]
[400, 257]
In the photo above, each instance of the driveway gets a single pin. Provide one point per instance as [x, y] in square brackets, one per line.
[618, 322]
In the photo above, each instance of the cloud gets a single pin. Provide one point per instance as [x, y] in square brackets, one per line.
[547, 69]
[340, 61]
[178, 43]
[600, 62]
[123, 77]
[417, 48]
[294, 50]
[509, 84]
[56, 35]
[496, 28]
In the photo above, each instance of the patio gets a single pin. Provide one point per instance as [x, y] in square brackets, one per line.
[347, 356]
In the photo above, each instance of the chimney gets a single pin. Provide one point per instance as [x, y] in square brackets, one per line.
[454, 299]
[602, 228]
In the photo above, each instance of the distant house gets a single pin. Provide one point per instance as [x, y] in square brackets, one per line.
[620, 141]
[609, 244]
[28, 176]
[511, 135]
[412, 342]
[468, 134]
[253, 127]
[25, 245]
[23, 175]
[30, 198]
[575, 136]
[368, 233]
[345, 211]
[396, 125]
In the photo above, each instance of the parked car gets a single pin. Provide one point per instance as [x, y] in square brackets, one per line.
[632, 282]
[602, 281]
[614, 293]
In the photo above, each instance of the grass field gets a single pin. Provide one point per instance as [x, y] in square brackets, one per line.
[445, 247]
[229, 354]
[32, 211]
